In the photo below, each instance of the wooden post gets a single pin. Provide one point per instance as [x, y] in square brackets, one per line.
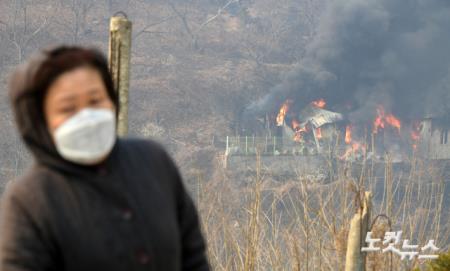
[225, 156]
[373, 144]
[119, 66]
[246, 145]
[274, 144]
[265, 146]
[319, 149]
[253, 143]
[355, 260]
[227, 145]
[388, 184]
[228, 142]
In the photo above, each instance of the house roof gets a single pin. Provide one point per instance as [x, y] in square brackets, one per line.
[318, 116]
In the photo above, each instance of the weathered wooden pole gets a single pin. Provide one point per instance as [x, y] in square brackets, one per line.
[274, 145]
[319, 149]
[355, 259]
[119, 65]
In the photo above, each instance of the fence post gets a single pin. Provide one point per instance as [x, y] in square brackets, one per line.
[355, 260]
[246, 145]
[227, 146]
[253, 144]
[265, 146]
[274, 144]
[119, 65]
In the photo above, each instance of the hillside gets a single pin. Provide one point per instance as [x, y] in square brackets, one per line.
[195, 64]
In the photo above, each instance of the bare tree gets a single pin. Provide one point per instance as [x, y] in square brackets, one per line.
[194, 34]
[183, 18]
[21, 29]
[146, 29]
[76, 25]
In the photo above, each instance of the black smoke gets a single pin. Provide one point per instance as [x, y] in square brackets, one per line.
[369, 52]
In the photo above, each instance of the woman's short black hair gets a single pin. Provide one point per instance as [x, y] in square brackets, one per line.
[63, 59]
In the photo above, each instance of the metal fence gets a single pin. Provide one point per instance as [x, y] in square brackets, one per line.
[251, 145]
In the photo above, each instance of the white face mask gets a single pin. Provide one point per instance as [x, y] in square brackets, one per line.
[87, 137]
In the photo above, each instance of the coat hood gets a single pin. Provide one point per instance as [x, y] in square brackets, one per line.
[27, 90]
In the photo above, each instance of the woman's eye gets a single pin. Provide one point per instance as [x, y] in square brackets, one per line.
[95, 101]
[67, 110]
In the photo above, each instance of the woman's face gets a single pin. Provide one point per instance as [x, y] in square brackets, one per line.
[73, 91]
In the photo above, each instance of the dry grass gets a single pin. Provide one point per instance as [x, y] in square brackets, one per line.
[300, 225]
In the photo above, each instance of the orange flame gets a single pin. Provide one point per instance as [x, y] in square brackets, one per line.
[378, 123]
[295, 124]
[319, 133]
[298, 130]
[381, 119]
[319, 103]
[415, 134]
[299, 134]
[298, 137]
[283, 111]
[394, 122]
[348, 134]
[353, 149]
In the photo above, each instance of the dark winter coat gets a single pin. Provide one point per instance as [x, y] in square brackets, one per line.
[131, 212]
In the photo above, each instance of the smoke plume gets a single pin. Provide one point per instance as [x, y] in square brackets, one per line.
[369, 52]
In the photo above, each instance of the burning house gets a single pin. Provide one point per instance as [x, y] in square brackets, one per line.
[316, 130]
[310, 129]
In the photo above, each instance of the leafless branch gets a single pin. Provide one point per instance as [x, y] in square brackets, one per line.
[39, 29]
[183, 20]
[147, 27]
[219, 12]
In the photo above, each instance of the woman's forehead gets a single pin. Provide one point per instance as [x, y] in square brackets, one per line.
[80, 81]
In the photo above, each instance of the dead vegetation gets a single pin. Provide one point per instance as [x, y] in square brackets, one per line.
[300, 225]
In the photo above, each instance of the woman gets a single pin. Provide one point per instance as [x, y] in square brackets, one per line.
[91, 201]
